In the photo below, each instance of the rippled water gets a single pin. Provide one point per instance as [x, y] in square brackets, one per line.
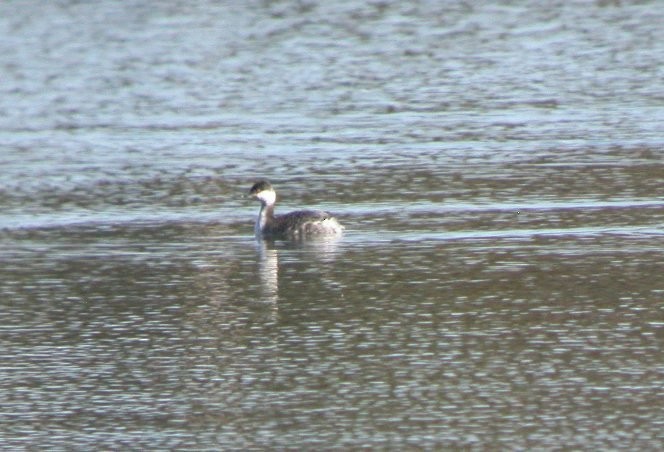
[499, 171]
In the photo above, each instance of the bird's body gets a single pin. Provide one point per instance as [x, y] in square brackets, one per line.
[298, 224]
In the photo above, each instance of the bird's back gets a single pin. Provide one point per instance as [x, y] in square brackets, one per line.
[305, 222]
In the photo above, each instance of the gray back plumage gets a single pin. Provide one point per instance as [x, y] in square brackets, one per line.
[304, 222]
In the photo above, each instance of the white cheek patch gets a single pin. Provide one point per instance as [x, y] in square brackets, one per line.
[268, 197]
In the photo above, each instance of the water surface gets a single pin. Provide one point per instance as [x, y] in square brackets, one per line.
[498, 169]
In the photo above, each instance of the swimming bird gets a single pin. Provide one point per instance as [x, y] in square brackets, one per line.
[292, 225]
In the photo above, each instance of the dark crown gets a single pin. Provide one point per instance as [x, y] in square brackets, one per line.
[260, 186]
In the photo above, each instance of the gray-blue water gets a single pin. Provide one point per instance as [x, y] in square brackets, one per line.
[499, 169]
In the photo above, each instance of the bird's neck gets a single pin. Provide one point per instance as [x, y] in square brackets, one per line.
[265, 215]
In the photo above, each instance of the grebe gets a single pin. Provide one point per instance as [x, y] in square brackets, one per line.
[298, 224]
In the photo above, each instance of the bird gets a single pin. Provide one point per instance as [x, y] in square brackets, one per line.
[293, 225]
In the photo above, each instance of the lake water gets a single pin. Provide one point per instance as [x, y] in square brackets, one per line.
[499, 169]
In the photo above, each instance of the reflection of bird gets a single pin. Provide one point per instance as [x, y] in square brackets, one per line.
[298, 224]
